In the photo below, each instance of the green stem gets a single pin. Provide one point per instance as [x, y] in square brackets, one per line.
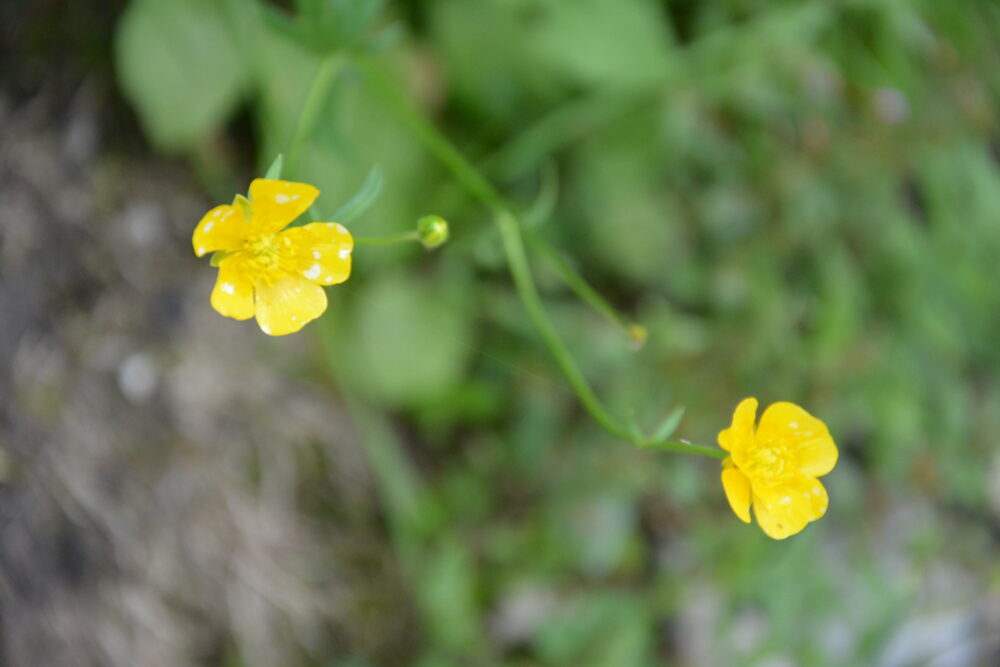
[575, 282]
[478, 186]
[685, 447]
[386, 240]
[324, 77]
[510, 230]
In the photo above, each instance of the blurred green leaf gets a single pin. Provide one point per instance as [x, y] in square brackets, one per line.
[274, 171]
[625, 41]
[446, 586]
[669, 424]
[362, 199]
[324, 26]
[410, 339]
[179, 65]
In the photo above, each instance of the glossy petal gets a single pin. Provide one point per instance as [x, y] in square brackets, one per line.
[274, 203]
[786, 421]
[222, 228]
[288, 305]
[740, 434]
[737, 488]
[323, 252]
[233, 293]
[818, 453]
[778, 521]
[785, 509]
[813, 495]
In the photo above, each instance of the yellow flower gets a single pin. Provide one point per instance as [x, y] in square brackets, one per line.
[273, 274]
[774, 467]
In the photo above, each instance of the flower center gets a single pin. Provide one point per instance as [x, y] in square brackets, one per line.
[769, 461]
[265, 254]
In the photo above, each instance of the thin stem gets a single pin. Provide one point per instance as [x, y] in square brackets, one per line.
[319, 88]
[575, 282]
[437, 144]
[386, 240]
[685, 447]
[510, 230]
[479, 187]
[524, 283]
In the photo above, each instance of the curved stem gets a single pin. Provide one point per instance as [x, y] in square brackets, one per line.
[575, 282]
[479, 187]
[524, 283]
[324, 77]
[685, 447]
[386, 240]
[510, 230]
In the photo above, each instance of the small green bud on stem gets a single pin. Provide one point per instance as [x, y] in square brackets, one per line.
[432, 230]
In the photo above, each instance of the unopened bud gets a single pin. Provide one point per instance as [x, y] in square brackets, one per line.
[432, 230]
[637, 335]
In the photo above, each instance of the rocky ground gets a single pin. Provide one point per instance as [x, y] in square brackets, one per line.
[166, 493]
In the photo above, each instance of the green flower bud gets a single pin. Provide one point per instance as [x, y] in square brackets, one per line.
[637, 335]
[432, 230]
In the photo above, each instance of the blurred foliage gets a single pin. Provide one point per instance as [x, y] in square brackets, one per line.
[799, 200]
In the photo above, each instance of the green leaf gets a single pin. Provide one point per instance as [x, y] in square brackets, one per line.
[243, 204]
[324, 26]
[409, 339]
[447, 591]
[178, 63]
[545, 201]
[668, 425]
[626, 41]
[362, 199]
[274, 171]
[217, 257]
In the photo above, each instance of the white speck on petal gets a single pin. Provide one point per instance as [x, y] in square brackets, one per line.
[201, 251]
[281, 198]
[295, 318]
[793, 424]
[294, 197]
[785, 500]
[344, 253]
[217, 213]
[228, 288]
[816, 491]
[265, 330]
[340, 228]
[209, 225]
[317, 254]
[227, 214]
[328, 279]
[312, 273]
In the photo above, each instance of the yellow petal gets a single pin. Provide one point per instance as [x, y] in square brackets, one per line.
[233, 293]
[323, 252]
[809, 437]
[288, 305]
[221, 228]
[274, 203]
[737, 488]
[785, 509]
[813, 494]
[740, 434]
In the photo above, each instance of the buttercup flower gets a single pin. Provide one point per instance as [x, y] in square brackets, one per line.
[272, 274]
[775, 466]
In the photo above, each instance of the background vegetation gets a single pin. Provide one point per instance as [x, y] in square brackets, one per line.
[799, 200]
